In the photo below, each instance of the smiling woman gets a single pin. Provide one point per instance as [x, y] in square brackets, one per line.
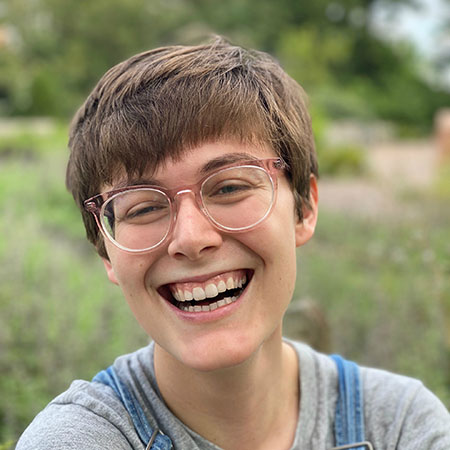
[195, 172]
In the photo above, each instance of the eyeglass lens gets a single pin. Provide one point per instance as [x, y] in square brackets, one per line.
[236, 198]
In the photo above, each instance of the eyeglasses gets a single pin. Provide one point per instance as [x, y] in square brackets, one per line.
[234, 198]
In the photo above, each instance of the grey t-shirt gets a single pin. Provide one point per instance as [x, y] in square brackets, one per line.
[400, 413]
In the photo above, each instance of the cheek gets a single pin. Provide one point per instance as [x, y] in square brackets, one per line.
[279, 243]
[274, 243]
[128, 269]
[131, 274]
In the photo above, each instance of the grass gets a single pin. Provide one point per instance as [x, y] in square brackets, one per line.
[384, 286]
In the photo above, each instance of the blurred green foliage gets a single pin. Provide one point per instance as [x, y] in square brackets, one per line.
[32, 142]
[342, 160]
[336, 160]
[54, 51]
[7, 445]
[441, 186]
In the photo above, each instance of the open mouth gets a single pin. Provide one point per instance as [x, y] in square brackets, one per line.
[215, 293]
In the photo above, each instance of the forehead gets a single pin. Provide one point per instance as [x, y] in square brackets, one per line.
[194, 163]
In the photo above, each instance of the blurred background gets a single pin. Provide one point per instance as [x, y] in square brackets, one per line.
[374, 284]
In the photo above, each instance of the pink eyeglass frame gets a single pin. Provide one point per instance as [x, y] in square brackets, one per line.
[271, 166]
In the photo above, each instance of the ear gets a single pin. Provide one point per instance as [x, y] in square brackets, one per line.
[110, 271]
[304, 229]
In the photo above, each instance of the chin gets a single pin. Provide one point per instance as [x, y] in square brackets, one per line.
[214, 356]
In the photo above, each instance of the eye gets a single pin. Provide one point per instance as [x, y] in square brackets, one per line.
[145, 212]
[230, 187]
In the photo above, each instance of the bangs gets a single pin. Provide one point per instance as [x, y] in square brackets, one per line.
[163, 123]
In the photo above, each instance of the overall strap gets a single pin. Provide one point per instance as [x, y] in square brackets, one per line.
[349, 418]
[152, 439]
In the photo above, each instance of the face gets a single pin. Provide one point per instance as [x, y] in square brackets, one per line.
[256, 269]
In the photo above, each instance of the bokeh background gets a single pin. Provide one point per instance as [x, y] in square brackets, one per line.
[374, 284]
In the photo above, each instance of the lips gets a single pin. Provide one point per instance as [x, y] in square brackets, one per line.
[209, 295]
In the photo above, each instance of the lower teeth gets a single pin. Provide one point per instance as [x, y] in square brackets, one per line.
[210, 307]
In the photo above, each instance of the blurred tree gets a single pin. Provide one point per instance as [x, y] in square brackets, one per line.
[61, 48]
[350, 71]
[58, 50]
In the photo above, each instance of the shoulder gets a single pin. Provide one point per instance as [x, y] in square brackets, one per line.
[403, 412]
[87, 416]
[399, 411]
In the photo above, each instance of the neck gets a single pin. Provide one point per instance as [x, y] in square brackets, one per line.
[250, 406]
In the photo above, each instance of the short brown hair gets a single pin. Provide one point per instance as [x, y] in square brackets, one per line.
[162, 102]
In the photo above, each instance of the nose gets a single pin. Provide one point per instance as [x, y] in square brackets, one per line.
[193, 234]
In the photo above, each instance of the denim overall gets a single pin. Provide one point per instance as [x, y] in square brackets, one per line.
[349, 418]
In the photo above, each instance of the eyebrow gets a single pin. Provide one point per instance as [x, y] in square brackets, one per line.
[210, 166]
[224, 160]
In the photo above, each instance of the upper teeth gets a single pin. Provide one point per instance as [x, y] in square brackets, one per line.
[211, 290]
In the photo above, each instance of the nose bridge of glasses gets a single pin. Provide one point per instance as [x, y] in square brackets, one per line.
[178, 195]
[183, 192]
